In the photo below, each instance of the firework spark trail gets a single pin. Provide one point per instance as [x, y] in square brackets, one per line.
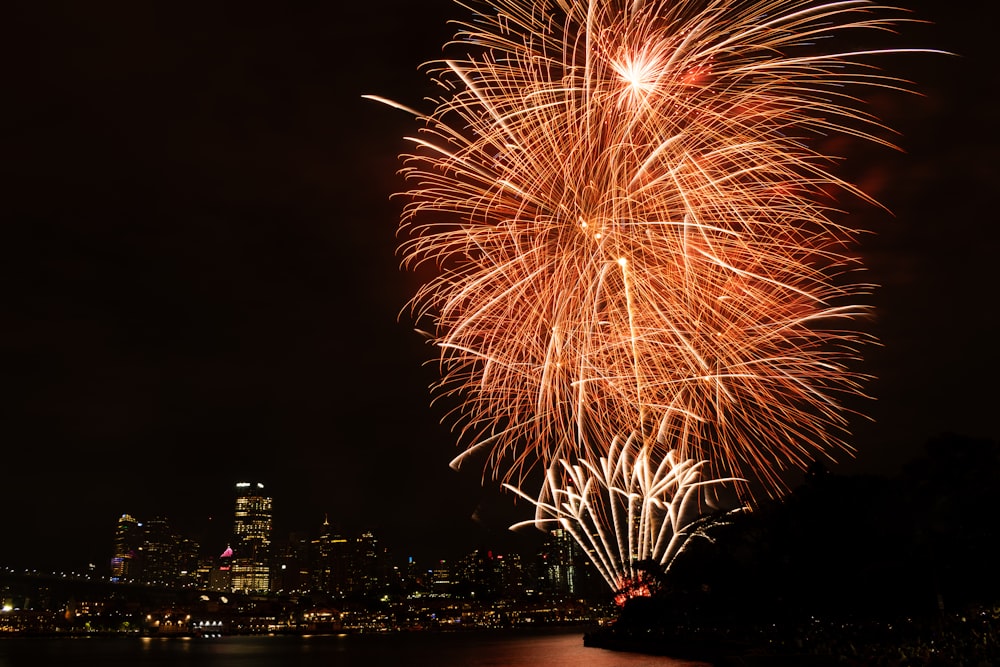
[624, 510]
[629, 227]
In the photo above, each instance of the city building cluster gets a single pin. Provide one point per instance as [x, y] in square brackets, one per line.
[330, 563]
[160, 582]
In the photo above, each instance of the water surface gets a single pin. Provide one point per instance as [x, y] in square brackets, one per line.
[562, 649]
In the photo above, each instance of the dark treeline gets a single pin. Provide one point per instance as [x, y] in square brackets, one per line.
[845, 551]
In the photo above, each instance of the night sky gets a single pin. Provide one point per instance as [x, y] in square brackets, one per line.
[201, 285]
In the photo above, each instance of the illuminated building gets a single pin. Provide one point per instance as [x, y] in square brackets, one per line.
[290, 564]
[252, 539]
[492, 574]
[187, 567]
[369, 567]
[331, 560]
[564, 567]
[128, 540]
[159, 553]
[441, 577]
[220, 577]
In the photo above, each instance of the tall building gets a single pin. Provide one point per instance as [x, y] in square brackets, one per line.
[369, 571]
[331, 559]
[125, 563]
[220, 574]
[563, 565]
[159, 553]
[290, 564]
[188, 574]
[251, 566]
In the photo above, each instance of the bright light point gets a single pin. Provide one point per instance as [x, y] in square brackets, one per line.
[638, 73]
[622, 261]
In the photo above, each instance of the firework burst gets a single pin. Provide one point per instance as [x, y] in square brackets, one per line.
[625, 510]
[629, 226]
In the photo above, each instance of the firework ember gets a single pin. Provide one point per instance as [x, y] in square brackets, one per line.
[630, 225]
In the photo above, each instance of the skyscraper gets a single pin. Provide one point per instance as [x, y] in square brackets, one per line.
[128, 540]
[252, 539]
[159, 552]
[564, 566]
[331, 560]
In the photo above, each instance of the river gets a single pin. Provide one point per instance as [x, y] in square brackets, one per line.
[550, 649]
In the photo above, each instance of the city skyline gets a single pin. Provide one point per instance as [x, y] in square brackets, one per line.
[237, 535]
[205, 286]
[324, 561]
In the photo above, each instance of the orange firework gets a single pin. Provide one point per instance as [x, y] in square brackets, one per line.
[631, 231]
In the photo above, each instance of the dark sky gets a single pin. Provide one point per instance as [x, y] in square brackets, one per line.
[200, 279]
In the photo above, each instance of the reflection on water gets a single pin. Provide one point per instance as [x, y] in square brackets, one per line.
[564, 649]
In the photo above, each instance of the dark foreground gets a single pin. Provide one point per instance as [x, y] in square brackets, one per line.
[968, 639]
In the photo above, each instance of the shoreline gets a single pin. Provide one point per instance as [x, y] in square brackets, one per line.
[958, 639]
